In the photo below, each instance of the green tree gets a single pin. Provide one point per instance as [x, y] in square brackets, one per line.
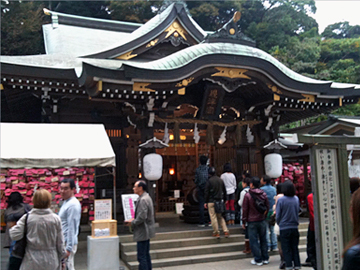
[300, 54]
[21, 28]
[341, 30]
[212, 15]
[133, 11]
[94, 9]
[276, 23]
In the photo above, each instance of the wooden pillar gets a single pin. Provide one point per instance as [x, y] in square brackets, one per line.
[306, 178]
[259, 152]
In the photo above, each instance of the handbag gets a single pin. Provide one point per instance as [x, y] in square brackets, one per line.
[20, 245]
[219, 206]
[272, 220]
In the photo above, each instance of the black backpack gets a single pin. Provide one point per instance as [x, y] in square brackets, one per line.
[260, 205]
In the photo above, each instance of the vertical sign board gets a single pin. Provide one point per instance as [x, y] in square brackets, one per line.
[128, 203]
[328, 192]
[102, 209]
[212, 101]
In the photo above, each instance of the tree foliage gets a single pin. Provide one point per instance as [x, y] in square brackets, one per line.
[133, 11]
[341, 30]
[21, 28]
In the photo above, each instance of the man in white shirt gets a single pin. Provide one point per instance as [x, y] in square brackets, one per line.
[70, 214]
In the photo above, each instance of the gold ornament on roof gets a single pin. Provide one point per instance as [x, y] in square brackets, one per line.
[176, 29]
[137, 86]
[232, 31]
[237, 16]
[184, 82]
[126, 56]
[231, 73]
[308, 98]
[152, 43]
[274, 89]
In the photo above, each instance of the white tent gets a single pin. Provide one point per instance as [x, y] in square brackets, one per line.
[54, 146]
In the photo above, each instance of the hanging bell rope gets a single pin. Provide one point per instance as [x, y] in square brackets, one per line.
[238, 134]
[177, 133]
[210, 135]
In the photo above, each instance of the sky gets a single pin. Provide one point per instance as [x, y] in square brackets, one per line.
[333, 11]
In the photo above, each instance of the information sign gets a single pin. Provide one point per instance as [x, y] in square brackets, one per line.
[128, 203]
[102, 209]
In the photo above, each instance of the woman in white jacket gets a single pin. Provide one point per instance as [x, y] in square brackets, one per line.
[45, 242]
[229, 180]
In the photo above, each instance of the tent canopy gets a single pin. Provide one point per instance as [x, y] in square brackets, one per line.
[54, 146]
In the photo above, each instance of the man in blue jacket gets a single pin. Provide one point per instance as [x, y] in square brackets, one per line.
[201, 177]
[270, 193]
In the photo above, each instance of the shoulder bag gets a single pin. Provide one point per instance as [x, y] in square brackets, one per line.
[18, 252]
[259, 204]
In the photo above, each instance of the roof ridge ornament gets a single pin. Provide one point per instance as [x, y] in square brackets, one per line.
[230, 32]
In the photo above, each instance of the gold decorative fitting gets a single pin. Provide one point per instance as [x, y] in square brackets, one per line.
[137, 86]
[184, 82]
[274, 89]
[237, 16]
[46, 11]
[340, 102]
[99, 86]
[152, 43]
[181, 91]
[176, 27]
[231, 73]
[276, 97]
[1, 87]
[308, 98]
[232, 31]
[176, 34]
[126, 56]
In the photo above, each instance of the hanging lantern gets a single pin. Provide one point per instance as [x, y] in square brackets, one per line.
[273, 165]
[171, 171]
[153, 165]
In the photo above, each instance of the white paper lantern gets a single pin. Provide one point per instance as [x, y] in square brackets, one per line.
[273, 165]
[153, 165]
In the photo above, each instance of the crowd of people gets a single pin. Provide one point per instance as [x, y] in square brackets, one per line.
[269, 216]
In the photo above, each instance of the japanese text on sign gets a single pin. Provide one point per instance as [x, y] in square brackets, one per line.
[102, 209]
[128, 202]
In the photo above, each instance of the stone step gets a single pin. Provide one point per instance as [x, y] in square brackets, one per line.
[187, 242]
[220, 247]
[223, 256]
[181, 234]
[128, 238]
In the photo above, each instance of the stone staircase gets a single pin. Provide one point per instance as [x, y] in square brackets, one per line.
[190, 247]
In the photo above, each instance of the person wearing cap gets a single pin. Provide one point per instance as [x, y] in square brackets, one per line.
[215, 191]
